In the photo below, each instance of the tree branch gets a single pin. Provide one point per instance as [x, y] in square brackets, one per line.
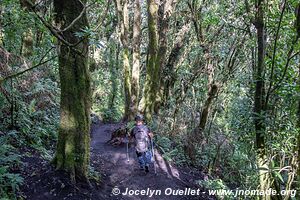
[28, 69]
[290, 57]
[77, 18]
[56, 32]
[274, 54]
[101, 18]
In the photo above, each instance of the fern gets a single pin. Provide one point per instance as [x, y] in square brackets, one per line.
[9, 182]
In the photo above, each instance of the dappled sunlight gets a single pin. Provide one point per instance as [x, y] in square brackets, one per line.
[67, 120]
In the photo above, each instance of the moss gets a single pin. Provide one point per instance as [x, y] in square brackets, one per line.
[152, 72]
[72, 153]
[136, 40]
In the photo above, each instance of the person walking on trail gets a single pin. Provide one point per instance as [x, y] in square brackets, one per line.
[142, 137]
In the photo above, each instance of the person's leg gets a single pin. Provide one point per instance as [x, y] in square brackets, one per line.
[147, 158]
[141, 159]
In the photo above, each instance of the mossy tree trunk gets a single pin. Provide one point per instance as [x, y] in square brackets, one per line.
[196, 137]
[113, 66]
[135, 77]
[211, 94]
[159, 13]
[123, 21]
[165, 11]
[152, 71]
[169, 75]
[72, 153]
[259, 112]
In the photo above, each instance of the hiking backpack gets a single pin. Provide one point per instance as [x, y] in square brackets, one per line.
[141, 138]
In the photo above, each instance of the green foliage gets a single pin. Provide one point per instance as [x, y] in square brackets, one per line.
[108, 99]
[9, 181]
[35, 97]
[36, 125]
[94, 175]
[172, 150]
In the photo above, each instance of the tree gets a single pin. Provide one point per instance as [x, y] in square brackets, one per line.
[259, 112]
[135, 76]
[123, 22]
[153, 69]
[169, 74]
[72, 152]
[158, 24]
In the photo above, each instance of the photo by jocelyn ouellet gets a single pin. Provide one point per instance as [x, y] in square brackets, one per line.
[149, 99]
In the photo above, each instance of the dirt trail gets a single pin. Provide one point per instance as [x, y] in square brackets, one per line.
[120, 173]
[42, 182]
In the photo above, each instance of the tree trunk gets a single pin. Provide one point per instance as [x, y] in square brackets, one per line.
[196, 137]
[165, 11]
[158, 24]
[136, 58]
[73, 153]
[212, 92]
[123, 19]
[168, 72]
[113, 65]
[259, 119]
[152, 72]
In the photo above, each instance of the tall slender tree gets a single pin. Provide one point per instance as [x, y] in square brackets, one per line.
[159, 13]
[177, 52]
[135, 76]
[73, 153]
[152, 71]
[259, 112]
[123, 21]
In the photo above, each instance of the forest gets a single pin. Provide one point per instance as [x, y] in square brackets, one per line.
[215, 82]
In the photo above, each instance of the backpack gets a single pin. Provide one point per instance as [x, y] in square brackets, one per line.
[141, 138]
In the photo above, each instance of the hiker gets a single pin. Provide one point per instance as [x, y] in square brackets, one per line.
[142, 136]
